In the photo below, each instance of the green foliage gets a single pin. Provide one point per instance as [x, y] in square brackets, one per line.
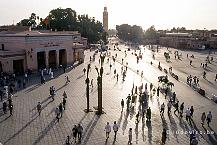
[89, 28]
[130, 33]
[151, 36]
[31, 21]
[67, 19]
[150, 33]
[62, 19]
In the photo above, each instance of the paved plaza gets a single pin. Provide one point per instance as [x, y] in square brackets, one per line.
[26, 127]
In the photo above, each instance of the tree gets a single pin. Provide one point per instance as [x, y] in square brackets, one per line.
[151, 36]
[130, 33]
[62, 19]
[66, 19]
[31, 21]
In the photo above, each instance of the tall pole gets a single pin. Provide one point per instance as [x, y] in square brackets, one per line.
[99, 84]
[87, 81]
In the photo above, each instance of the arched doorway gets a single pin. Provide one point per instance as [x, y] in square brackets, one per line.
[62, 57]
[18, 67]
[41, 60]
[52, 59]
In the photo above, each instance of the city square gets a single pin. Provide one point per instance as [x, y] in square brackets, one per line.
[26, 127]
[108, 72]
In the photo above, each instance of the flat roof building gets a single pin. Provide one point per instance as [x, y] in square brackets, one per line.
[34, 50]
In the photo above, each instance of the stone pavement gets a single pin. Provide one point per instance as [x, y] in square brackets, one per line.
[25, 127]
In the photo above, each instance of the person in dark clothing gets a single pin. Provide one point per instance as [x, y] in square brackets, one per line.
[122, 104]
[5, 107]
[148, 114]
[68, 141]
[181, 109]
[158, 91]
[39, 108]
[11, 109]
[10, 101]
[176, 107]
[75, 132]
[64, 103]
[192, 111]
[61, 109]
[174, 97]
[80, 130]
[164, 136]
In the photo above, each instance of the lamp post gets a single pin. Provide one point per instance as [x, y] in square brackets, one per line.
[87, 81]
[99, 84]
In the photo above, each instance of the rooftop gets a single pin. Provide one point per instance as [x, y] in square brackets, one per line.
[38, 33]
[179, 34]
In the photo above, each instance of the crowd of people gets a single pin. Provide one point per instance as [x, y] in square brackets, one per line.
[141, 92]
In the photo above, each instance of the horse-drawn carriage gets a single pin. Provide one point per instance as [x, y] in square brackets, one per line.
[165, 82]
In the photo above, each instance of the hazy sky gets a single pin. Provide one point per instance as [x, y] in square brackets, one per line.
[164, 14]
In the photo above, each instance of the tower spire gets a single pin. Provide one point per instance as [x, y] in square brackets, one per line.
[105, 19]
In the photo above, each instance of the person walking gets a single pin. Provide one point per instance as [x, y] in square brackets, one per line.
[67, 140]
[84, 70]
[5, 107]
[215, 77]
[64, 103]
[192, 112]
[122, 105]
[64, 94]
[11, 109]
[169, 105]
[61, 109]
[203, 118]
[162, 107]
[75, 132]
[204, 75]
[57, 113]
[39, 108]
[148, 114]
[174, 97]
[80, 130]
[181, 109]
[107, 130]
[209, 118]
[115, 128]
[130, 133]
[176, 107]
[158, 91]
[194, 141]
[117, 77]
[164, 136]
[188, 114]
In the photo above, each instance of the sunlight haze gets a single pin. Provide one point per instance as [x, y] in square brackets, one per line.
[164, 14]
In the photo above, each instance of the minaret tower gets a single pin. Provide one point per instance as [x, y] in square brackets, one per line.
[105, 19]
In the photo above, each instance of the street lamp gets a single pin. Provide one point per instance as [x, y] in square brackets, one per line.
[99, 84]
[87, 81]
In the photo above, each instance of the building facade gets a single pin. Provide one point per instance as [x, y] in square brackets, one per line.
[193, 40]
[34, 50]
[105, 19]
[182, 41]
